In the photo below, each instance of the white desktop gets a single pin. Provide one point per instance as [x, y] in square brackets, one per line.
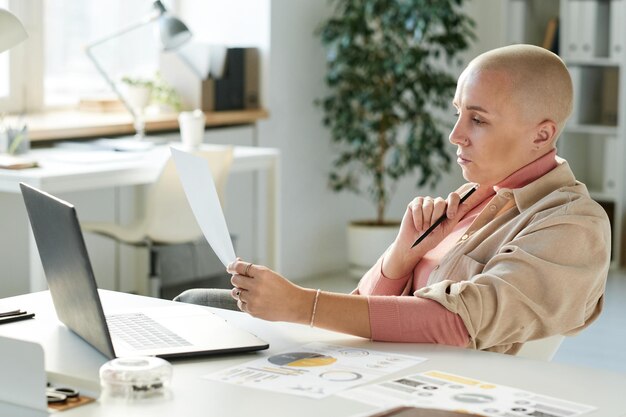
[70, 170]
[70, 360]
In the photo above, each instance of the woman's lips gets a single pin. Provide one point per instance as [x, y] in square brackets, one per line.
[462, 161]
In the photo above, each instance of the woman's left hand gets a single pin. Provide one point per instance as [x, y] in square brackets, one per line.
[265, 294]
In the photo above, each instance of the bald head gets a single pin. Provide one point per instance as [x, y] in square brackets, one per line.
[538, 80]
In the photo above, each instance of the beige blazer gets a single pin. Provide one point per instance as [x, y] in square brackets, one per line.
[533, 264]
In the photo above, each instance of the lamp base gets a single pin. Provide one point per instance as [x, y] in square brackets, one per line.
[126, 144]
[136, 143]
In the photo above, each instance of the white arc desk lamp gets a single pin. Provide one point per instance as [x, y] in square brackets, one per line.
[172, 33]
[12, 31]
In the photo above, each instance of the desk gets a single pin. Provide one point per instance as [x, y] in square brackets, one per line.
[57, 175]
[67, 354]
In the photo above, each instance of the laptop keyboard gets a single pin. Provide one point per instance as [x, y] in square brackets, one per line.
[142, 332]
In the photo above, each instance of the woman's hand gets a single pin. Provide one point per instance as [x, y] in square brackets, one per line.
[265, 294]
[421, 213]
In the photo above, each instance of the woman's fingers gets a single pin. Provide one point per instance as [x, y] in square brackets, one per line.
[426, 211]
[452, 205]
[416, 209]
[439, 209]
[242, 268]
[242, 282]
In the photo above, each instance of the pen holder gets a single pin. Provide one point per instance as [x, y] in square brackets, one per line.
[14, 141]
[135, 379]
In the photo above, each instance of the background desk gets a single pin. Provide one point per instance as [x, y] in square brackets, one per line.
[66, 354]
[57, 175]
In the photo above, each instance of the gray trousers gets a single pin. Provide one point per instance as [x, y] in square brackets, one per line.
[211, 297]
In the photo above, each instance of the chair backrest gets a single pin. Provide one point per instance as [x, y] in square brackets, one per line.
[169, 218]
[541, 349]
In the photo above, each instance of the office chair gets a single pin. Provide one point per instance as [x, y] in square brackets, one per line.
[168, 218]
[541, 349]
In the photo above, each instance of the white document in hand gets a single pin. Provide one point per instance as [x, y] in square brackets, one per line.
[195, 175]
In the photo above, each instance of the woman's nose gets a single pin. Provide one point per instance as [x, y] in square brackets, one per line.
[458, 136]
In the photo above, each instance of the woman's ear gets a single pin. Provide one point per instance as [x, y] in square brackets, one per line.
[545, 134]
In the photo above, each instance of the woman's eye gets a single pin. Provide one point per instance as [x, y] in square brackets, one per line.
[477, 121]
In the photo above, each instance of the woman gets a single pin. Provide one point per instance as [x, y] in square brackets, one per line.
[526, 256]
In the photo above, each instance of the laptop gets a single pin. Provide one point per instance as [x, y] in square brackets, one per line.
[179, 330]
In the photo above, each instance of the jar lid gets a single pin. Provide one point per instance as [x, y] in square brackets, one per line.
[136, 377]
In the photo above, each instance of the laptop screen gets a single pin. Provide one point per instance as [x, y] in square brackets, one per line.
[67, 267]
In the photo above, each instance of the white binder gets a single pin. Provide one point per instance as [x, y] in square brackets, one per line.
[571, 34]
[616, 28]
[611, 165]
[575, 74]
[516, 20]
[593, 28]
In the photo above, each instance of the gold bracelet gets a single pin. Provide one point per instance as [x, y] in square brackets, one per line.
[317, 295]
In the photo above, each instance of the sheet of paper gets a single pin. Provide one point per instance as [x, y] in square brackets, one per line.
[315, 370]
[199, 187]
[437, 389]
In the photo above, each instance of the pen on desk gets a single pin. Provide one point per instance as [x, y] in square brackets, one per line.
[442, 218]
[12, 313]
[16, 315]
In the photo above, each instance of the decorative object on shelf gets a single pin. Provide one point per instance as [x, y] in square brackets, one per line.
[163, 94]
[13, 136]
[226, 79]
[387, 82]
[172, 34]
[191, 128]
[12, 31]
[14, 144]
[138, 94]
[551, 36]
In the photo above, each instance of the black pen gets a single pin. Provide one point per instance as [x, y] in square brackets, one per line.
[16, 317]
[442, 218]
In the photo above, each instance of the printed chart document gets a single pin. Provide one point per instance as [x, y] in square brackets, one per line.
[442, 390]
[199, 187]
[315, 370]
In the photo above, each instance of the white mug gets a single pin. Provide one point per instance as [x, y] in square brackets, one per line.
[191, 128]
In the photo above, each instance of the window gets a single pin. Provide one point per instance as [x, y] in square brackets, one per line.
[69, 25]
[52, 70]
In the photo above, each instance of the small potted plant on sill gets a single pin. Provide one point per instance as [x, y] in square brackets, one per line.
[387, 82]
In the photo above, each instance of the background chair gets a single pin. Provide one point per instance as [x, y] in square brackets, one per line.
[168, 218]
[541, 349]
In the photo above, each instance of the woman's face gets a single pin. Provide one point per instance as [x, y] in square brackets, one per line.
[492, 137]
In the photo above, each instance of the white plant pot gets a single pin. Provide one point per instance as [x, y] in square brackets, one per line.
[138, 96]
[366, 242]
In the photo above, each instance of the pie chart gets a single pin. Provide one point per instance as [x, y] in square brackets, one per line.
[301, 359]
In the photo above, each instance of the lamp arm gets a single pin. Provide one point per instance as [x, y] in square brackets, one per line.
[88, 51]
[110, 82]
[129, 28]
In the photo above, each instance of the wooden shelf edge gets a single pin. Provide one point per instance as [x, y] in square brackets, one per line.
[58, 125]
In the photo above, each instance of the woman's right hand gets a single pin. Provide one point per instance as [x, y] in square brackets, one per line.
[421, 213]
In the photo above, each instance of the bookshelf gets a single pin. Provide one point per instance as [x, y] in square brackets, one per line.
[590, 39]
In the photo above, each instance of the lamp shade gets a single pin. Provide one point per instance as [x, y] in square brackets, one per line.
[12, 31]
[173, 32]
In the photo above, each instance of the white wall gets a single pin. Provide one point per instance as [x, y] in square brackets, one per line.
[314, 218]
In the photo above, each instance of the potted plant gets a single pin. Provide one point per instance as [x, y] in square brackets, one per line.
[140, 92]
[387, 82]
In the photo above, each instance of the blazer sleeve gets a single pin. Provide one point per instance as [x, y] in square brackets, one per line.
[548, 279]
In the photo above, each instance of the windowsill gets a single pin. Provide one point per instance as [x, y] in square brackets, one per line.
[70, 124]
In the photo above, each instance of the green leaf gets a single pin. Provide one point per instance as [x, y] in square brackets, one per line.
[387, 77]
